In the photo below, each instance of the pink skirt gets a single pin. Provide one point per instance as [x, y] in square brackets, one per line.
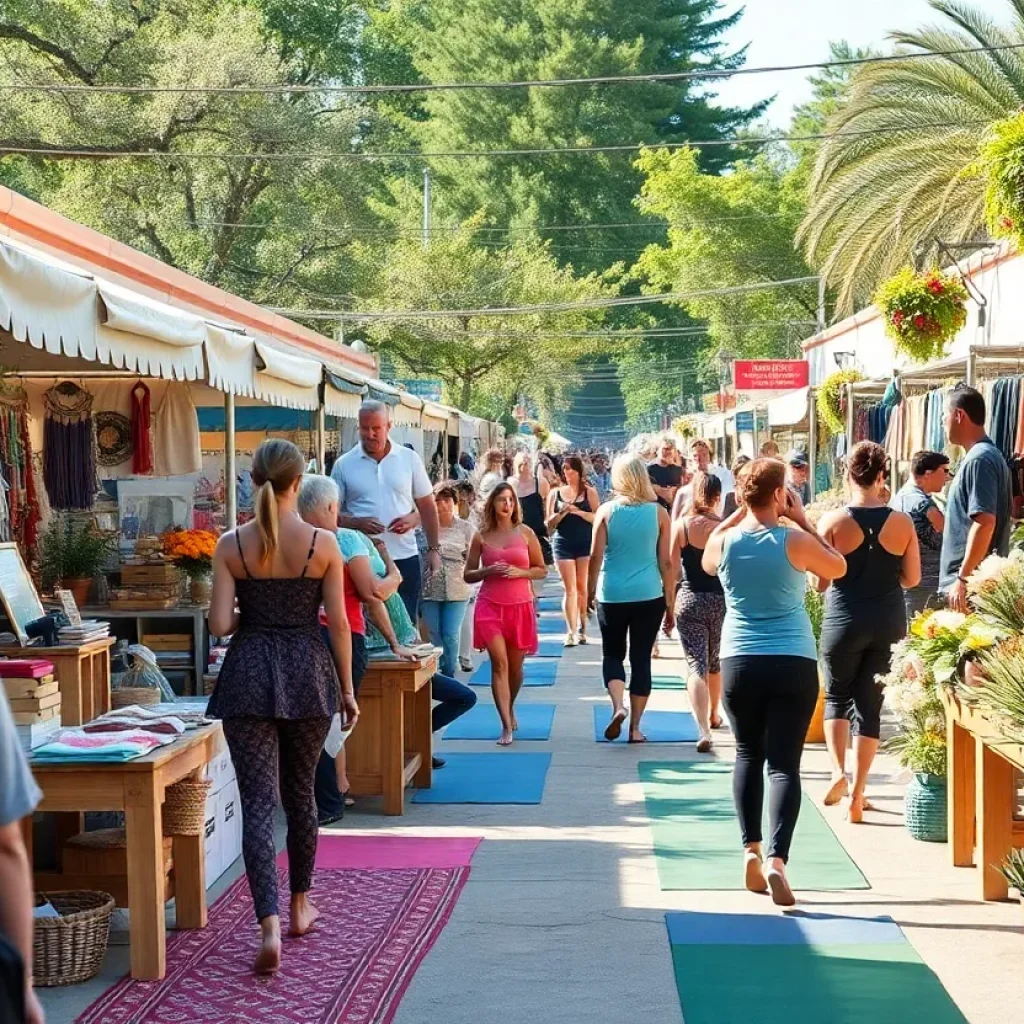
[517, 623]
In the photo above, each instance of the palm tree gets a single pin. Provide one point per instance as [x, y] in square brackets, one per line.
[898, 173]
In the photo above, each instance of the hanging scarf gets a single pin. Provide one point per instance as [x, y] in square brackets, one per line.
[69, 468]
[142, 435]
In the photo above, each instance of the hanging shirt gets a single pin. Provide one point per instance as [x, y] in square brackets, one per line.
[176, 433]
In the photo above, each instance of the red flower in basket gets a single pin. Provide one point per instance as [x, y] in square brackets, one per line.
[920, 321]
[935, 286]
[898, 317]
[1006, 223]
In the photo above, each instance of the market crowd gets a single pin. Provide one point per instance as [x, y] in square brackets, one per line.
[378, 560]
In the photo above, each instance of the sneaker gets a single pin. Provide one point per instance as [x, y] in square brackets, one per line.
[704, 745]
[581, 638]
[570, 640]
[465, 664]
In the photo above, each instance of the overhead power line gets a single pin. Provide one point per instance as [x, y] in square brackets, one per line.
[85, 153]
[702, 75]
[550, 307]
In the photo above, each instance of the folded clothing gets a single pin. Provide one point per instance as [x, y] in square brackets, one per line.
[25, 668]
[136, 717]
[79, 745]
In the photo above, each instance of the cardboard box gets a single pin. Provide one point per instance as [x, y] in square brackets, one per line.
[211, 840]
[36, 734]
[17, 688]
[220, 771]
[229, 824]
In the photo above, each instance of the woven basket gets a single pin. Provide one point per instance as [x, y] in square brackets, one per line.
[126, 696]
[924, 805]
[185, 807]
[70, 949]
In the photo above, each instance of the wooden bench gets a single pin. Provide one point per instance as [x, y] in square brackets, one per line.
[982, 795]
[391, 745]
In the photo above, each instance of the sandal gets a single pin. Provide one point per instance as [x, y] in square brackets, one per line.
[349, 800]
[614, 729]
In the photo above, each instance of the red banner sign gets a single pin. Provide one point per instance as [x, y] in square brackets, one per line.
[770, 374]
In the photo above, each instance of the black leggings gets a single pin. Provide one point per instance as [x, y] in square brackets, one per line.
[855, 650]
[635, 621]
[274, 755]
[770, 700]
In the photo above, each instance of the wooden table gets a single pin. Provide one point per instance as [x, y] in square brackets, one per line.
[982, 796]
[137, 788]
[82, 674]
[391, 745]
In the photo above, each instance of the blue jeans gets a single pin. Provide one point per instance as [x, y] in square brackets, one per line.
[409, 588]
[454, 700]
[444, 621]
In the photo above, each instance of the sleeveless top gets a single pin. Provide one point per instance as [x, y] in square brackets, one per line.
[277, 665]
[872, 579]
[572, 529]
[501, 589]
[630, 570]
[764, 597]
[694, 578]
[533, 509]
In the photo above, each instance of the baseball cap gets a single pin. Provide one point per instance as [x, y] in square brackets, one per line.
[796, 458]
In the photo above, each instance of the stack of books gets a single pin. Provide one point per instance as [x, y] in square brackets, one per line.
[34, 697]
[84, 633]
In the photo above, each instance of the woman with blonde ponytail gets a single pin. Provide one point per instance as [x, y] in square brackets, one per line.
[279, 686]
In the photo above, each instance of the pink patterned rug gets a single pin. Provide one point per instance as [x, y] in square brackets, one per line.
[354, 968]
[388, 853]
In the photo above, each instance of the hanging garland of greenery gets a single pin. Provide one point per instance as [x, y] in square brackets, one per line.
[830, 396]
[923, 312]
[1001, 164]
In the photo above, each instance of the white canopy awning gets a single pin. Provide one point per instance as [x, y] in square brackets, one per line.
[435, 417]
[285, 379]
[790, 409]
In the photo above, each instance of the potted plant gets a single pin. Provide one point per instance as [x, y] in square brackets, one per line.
[192, 552]
[923, 311]
[1013, 871]
[830, 399]
[920, 746]
[71, 553]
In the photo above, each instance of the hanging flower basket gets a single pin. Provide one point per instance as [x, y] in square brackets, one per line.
[831, 411]
[1002, 166]
[923, 312]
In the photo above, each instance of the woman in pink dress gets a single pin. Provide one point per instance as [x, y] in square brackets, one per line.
[505, 556]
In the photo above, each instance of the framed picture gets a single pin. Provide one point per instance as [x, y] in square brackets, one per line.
[17, 592]
[148, 508]
[69, 606]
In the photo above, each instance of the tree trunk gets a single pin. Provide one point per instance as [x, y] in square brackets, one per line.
[467, 393]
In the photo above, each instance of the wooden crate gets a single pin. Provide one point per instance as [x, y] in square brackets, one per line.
[167, 641]
[42, 687]
[158, 573]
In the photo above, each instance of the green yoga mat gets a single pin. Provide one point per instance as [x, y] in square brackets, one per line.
[668, 683]
[697, 837]
[855, 984]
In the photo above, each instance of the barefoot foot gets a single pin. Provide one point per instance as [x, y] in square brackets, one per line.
[637, 737]
[704, 744]
[782, 895]
[753, 872]
[839, 789]
[614, 728]
[855, 810]
[506, 738]
[303, 915]
[268, 960]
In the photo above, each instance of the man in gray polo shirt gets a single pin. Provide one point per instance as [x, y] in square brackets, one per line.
[978, 509]
[18, 797]
[385, 491]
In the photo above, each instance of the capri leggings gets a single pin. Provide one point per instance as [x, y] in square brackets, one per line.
[271, 755]
[635, 623]
[855, 650]
[699, 618]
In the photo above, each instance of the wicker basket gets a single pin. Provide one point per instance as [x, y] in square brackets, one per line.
[70, 949]
[126, 696]
[185, 807]
[924, 805]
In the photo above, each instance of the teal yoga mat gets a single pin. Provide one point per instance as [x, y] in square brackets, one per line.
[482, 723]
[502, 777]
[657, 726]
[802, 969]
[668, 683]
[697, 837]
[536, 672]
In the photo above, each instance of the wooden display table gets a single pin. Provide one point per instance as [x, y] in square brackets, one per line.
[137, 788]
[82, 673]
[391, 745]
[982, 797]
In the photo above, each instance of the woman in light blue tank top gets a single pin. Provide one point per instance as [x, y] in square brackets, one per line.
[769, 667]
[632, 580]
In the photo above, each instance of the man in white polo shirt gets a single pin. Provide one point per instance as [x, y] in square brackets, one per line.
[385, 490]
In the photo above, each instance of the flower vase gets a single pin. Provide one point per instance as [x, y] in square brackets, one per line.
[924, 806]
[201, 589]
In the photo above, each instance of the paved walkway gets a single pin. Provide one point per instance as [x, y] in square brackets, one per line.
[562, 919]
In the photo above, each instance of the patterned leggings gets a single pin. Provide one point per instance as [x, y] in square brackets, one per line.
[699, 618]
[255, 745]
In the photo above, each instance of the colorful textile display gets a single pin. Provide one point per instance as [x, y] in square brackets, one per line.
[16, 471]
[69, 469]
[79, 745]
[141, 430]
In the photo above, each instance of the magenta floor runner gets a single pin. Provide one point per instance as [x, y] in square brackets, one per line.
[376, 928]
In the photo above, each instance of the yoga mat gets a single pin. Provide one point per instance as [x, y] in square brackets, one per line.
[482, 723]
[657, 726]
[536, 672]
[697, 837]
[390, 853]
[549, 604]
[551, 626]
[501, 777]
[374, 931]
[668, 683]
[831, 975]
[549, 649]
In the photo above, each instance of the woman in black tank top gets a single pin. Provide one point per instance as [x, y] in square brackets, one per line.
[864, 616]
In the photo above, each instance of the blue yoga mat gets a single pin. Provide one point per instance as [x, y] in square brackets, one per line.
[536, 672]
[549, 649]
[482, 723]
[550, 625]
[501, 777]
[698, 929]
[550, 604]
[657, 726]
